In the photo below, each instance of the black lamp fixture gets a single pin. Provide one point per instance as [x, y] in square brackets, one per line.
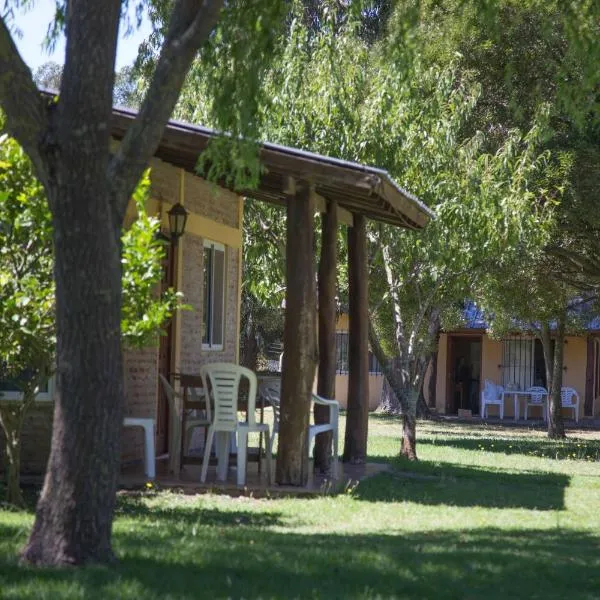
[177, 220]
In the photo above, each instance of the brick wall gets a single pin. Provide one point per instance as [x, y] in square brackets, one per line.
[192, 354]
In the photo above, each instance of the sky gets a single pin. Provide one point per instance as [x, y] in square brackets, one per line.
[34, 25]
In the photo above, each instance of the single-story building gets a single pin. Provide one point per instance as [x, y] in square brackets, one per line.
[468, 356]
[206, 264]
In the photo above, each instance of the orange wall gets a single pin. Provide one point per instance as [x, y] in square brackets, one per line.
[375, 386]
[575, 361]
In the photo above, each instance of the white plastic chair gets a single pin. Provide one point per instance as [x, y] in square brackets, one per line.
[538, 396]
[175, 400]
[569, 398]
[492, 394]
[224, 380]
[271, 392]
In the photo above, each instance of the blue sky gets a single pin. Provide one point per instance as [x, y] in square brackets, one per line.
[34, 24]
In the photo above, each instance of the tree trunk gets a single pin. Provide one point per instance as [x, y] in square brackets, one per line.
[299, 341]
[408, 449]
[389, 403]
[357, 416]
[423, 411]
[556, 425]
[327, 319]
[74, 514]
[11, 419]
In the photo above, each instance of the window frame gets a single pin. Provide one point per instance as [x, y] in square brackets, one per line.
[210, 346]
[16, 396]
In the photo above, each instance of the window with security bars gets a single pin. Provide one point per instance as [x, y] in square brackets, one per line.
[342, 351]
[522, 363]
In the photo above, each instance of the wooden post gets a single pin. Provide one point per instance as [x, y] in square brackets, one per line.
[357, 420]
[327, 318]
[299, 341]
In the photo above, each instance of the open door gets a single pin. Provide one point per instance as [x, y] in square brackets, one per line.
[463, 374]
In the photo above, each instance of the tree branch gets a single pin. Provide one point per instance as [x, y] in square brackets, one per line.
[26, 116]
[190, 25]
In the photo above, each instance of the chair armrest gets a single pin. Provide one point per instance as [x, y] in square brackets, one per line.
[321, 400]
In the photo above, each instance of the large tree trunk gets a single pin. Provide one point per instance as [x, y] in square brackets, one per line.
[357, 416]
[88, 188]
[327, 319]
[75, 511]
[299, 342]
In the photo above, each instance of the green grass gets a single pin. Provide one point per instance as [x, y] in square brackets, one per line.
[486, 513]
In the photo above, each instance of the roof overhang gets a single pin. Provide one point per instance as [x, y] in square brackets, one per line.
[357, 188]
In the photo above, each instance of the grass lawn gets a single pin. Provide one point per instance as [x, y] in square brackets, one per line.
[487, 513]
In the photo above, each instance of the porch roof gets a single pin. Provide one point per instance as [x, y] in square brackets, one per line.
[358, 188]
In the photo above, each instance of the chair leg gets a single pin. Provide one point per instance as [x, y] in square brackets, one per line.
[334, 467]
[502, 411]
[149, 451]
[242, 451]
[207, 449]
[269, 460]
[525, 412]
[222, 454]
[271, 440]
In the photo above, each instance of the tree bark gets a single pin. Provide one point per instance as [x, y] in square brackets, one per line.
[299, 342]
[357, 416]
[327, 319]
[556, 425]
[75, 511]
[408, 448]
[389, 403]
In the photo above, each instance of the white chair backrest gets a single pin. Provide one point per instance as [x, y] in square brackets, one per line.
[568, 396]
[170, 393]
[224, 379]
[491, 391]
[537, 394]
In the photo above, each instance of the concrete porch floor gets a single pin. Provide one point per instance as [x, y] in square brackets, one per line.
[188, 482]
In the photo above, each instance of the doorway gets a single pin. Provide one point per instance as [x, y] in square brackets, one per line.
[464, 374]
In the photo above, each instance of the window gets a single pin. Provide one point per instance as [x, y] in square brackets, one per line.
[523, 363]
[213, 311]
[341, 350]
[9, 390]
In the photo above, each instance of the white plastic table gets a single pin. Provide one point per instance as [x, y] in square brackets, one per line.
[516, 394]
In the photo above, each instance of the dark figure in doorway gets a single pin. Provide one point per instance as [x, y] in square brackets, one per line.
[463, 379]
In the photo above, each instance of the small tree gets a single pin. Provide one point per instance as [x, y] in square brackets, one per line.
[27, 322]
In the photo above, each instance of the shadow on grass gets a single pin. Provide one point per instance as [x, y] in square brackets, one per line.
[572, 448]
[194, 515]
[448, 484]
[484, 563]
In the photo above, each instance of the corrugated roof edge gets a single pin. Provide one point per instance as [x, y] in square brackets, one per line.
[383, 174]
